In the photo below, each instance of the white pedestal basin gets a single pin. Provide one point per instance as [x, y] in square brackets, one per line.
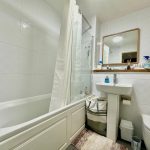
[118, 89]
[114, 91]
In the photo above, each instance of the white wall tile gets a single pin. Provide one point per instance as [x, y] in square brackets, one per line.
[140, 97]
[9, 24]
[139, 19]
[141, 81]
[8, 58]
[28, 47]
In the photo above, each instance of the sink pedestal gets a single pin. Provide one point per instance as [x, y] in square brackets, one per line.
[114, 92]
[113, 116]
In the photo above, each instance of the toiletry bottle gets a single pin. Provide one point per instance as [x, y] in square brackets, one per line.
[99, 66]
[107, 67]
[107, 79]
[128, 66]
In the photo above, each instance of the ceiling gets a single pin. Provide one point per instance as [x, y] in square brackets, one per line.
[110, 9]
[104, 9]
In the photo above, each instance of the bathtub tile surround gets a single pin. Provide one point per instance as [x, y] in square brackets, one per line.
[28, 47]
[29, 41]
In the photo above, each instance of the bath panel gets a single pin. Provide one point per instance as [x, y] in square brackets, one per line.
[51, 131]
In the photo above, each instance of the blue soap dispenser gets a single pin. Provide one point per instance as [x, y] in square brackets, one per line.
[107, 79]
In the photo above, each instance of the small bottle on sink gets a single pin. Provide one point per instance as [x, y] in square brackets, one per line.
[107, 79]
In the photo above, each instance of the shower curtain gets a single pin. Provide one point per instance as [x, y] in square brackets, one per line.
[72, 20]
[76, 73]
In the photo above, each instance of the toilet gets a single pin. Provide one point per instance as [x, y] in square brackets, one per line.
[146, 130]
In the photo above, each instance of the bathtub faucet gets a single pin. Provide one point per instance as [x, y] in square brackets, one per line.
[86, 91]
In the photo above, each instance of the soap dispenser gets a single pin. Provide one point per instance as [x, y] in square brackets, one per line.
[106, 79]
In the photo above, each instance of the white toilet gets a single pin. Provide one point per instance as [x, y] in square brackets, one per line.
[146, 130]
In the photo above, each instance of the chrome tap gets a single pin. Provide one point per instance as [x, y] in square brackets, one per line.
[86, 91]
[114, 78]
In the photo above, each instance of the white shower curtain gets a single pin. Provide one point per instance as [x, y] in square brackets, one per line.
[62, 77]
[76, 80]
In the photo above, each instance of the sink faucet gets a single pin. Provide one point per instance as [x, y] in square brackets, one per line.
[114, 78]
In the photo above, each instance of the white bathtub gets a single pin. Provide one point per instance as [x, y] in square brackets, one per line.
[18, 113]
[24, 121]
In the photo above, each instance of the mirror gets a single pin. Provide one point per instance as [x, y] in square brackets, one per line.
[120, 48]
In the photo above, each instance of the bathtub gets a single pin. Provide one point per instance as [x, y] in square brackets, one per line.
[17, 113]
[28, 124]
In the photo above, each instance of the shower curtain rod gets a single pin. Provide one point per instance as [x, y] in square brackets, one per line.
[86, 22]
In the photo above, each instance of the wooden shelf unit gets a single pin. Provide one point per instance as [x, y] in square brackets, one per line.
[117, 70]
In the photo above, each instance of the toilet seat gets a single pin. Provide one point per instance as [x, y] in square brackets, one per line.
[146, 121]
[146, 130]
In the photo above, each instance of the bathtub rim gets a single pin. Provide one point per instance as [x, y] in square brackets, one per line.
[12, 103]
[8, 132]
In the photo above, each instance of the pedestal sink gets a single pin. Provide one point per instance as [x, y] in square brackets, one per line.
[114, 91]
[119, 89]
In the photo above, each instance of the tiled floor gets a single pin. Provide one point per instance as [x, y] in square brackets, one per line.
[127, 144]
[89, 140]
[80, 139]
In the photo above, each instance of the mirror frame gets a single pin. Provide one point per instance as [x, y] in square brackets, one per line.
[138, 48]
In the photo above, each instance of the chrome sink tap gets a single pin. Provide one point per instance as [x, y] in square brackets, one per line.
[114, 78]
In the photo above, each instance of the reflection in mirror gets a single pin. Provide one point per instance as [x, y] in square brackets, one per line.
[121, 48]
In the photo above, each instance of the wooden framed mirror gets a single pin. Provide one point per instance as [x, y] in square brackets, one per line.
[121, 47]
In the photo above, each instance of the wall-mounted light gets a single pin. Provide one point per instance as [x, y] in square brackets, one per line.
[117, 39]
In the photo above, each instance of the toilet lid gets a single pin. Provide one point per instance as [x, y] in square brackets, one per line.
[146, 121]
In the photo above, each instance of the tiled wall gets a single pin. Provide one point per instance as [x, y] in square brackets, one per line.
[141, 95]
[140, 102]
[29, 34]
[139, 19]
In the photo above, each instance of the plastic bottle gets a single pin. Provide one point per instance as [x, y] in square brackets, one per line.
[107, 79]
[99, 66]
